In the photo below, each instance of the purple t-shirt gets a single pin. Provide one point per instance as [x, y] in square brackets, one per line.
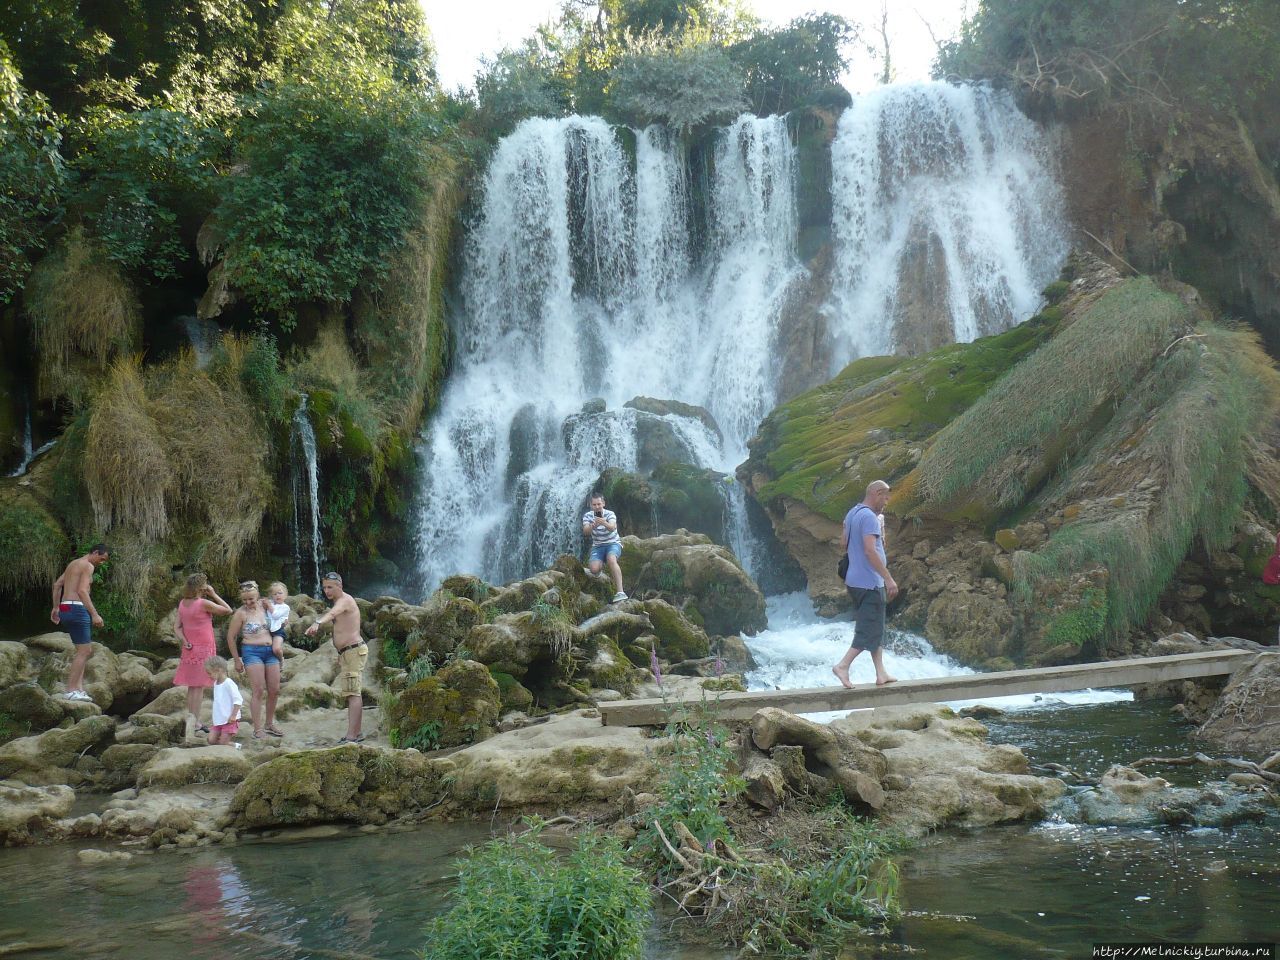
[861, 522]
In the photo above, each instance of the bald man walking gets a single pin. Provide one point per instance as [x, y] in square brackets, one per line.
[868, 581]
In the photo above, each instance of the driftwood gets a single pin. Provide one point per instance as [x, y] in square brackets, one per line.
[700, 889]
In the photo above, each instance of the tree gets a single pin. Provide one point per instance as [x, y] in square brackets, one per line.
[682, 85]
[792, 65]
[32, 175]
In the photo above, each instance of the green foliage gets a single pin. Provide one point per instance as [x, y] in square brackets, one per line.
[11, 728]
[1153, 54]
[333, 167]
[698, 778]
[392, 653]
[253, 363]
[426, 737]
[142, 174]
[1056, 291]
[683, 84]
[1079, 624]
[517, 899]
[32, 542]
[519, 83]
[32, 175]
[1008, 441]
[794, 65]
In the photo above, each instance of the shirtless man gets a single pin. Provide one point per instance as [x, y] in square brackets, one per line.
[352, 651]
[73, 610]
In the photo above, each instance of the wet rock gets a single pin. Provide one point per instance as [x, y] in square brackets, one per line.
[152, 728]
[15, 664]
[26, 811]
[48, 758]
[92, 858]
[348, 784]
[1130, 786]
[196, 808]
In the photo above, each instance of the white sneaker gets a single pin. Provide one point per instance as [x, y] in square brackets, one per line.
[78, 695]
[618, 597]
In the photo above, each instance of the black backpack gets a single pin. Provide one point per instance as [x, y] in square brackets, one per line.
[842, 566]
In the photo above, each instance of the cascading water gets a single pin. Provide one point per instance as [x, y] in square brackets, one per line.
[306, 487]
[29, 451]
[581, 283]
[947, 219]
[202, 335]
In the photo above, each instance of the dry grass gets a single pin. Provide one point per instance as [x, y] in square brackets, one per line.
[31, 541]
[126, 465]
[1172, 467]
[217, 457]
[83, 315]
[1003, 447]
[176, 449]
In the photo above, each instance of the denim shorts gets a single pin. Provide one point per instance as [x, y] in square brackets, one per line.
[74, 618]
[602, 550]
[258, 653]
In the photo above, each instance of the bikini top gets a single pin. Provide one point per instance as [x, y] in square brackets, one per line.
[251, 627]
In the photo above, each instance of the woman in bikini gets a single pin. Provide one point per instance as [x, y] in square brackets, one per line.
[196, 643]
[250, 642]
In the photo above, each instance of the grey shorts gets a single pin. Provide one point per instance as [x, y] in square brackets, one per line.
[868, 617]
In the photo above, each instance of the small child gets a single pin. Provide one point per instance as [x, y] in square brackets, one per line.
[277, 616]
[227, 701]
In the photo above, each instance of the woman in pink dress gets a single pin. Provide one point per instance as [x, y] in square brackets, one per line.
[196, 642]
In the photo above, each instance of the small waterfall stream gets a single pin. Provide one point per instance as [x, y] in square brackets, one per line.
[306, 488]
[29, 451]
[584, 281]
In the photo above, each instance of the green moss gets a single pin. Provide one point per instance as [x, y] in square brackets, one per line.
[1079, 625]
[458, 704]
[1056, 291]
[678, 638]
[514, 695]
[31, 541]
[825, 446]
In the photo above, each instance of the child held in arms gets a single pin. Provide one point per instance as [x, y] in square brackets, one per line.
[277, 616]
[227, 701]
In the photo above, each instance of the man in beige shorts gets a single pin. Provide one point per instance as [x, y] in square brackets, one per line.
[352, 650]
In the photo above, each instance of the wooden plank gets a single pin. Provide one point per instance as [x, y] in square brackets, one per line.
[979, 686]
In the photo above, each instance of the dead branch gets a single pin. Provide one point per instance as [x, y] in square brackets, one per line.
[1205, 760]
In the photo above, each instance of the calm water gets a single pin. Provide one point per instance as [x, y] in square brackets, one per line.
[1043, 891]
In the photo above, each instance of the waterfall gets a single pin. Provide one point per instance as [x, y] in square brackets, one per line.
[29, 451]
[588, 280]
[202, 334]
[306, 487]
[941, 194]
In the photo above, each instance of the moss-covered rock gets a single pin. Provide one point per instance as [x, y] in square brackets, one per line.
[514, 695]
[48, 758]
[690, 570]
[606, 666]
[458, 704]
[351, 784]
[678, 637]
[675, 496]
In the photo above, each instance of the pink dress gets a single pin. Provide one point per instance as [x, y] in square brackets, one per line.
[197, 624]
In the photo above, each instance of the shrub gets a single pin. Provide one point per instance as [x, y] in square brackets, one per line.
[517, 899]
[681, 83]
[83, 314]
[796, 64]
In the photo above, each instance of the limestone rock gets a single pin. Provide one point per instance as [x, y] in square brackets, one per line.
[152, 728]
[1130, 786]
[437, 627]
[1246, 717]
[192, 809]
[181, 766]
[458, 704]
[571, 757]
[27, 810]
[678, 637]
[351, 783]
[765, 786]
[687, 566]
[27, 703]
[939, 770]
[15, 664]
[47, 758]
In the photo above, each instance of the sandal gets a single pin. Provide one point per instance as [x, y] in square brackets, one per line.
[259, 735]
[273, 732]
[203, 728]
[359, 739]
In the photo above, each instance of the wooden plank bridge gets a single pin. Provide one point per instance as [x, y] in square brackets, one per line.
[978, 686]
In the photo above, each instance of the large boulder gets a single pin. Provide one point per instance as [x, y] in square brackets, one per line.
[182, 815]
[1246, 717]
[703, 576]
[26, 810]
[31, 708]
[352, 784]
[458, 704]
[569, 758]
[49, 757]
[1126, 797]
[814, 760]
[678, 637]
[941, 772]
[435, 628]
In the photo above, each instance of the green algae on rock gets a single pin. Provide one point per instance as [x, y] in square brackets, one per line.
[458, 704]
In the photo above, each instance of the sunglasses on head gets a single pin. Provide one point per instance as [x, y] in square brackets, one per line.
[331, 575]
[249, 585]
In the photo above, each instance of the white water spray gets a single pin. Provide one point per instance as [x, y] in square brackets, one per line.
[944, 206]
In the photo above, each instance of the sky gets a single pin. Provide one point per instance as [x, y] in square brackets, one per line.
[466, 30]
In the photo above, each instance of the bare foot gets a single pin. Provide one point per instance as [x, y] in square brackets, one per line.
[842, 674]
[881, 683]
